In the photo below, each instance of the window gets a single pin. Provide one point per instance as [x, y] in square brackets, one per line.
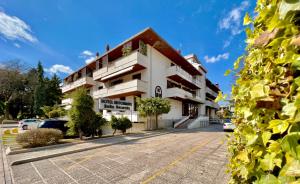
[172, 64]
[172, 85]
[123, 98]
[137, 76]
[116, 82]
[100, 87]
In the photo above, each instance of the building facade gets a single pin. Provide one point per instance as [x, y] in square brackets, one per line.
[146, 66]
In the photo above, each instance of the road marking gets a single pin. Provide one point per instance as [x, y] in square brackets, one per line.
[38, 172]
[63, 171]
[176, 161]
[75, 163]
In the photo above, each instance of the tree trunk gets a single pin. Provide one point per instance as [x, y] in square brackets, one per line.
[156, 121]
[114, 131]
[80, 134]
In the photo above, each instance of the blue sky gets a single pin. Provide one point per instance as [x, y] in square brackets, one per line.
[65, 34]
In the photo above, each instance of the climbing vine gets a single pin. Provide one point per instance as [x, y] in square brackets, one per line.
[265, 146]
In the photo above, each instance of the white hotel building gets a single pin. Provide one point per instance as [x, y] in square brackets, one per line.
[146, 66]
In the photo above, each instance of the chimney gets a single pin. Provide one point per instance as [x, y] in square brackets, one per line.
[107, 48]
[97, 54]
[217, 85]
[178, 51]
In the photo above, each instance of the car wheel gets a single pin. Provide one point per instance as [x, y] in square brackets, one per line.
[25, 127]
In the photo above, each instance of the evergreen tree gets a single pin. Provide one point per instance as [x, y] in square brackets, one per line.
[39, 92]
[81, 115]
[54, 94]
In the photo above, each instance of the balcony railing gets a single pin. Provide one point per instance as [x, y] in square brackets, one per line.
[178, 92]
[182, 74]
[212, 104]
[210, 91]
[130, 87]
[84, 81]
[123, 64]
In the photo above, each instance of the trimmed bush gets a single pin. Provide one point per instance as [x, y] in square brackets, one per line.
[122, 124]
[39, 137]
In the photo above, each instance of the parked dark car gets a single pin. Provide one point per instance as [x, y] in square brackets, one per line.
[54, 123]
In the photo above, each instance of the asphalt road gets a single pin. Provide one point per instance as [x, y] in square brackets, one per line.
[192, 156]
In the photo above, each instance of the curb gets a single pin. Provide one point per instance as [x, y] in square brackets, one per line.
[7, 173]
[23, 161]
[15, 152]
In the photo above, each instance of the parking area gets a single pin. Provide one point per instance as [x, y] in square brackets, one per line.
[190, 156]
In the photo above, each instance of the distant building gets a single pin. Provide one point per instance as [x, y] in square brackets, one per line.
[146, 66]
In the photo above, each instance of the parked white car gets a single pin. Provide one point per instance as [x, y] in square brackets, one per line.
[27, 124]
[228, 125]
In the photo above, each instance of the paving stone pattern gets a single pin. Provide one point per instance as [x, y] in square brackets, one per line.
[191, 156]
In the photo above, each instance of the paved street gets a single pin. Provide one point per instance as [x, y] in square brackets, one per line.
[191, 156]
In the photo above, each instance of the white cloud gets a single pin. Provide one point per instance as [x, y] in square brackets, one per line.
[17, 45]
[13, 28]
[87, 55]
[226, 43]
[88, 60]
[57, 68]
[233, 20]
[214, 59]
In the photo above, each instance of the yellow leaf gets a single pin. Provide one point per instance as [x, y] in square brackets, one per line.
[243, 156]
[278, 126]
[265, 137]
[247, 19]
[227, 72]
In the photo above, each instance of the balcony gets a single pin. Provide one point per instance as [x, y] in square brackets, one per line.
[212, 94]
[212, 104]
[180, 94]
[132, 87]
[122, 66]
[84, 81]
[179, 75]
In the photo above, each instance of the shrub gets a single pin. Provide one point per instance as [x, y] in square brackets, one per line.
[122, 123]
[54, 114]
[94, 127]
[39, 137]
[53, 111]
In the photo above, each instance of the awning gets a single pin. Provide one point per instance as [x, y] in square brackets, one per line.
[117, 73]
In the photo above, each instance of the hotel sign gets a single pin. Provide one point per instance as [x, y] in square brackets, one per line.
[114, 105]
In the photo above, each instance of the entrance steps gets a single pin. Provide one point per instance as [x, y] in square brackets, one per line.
[188, 123]
[185, 124]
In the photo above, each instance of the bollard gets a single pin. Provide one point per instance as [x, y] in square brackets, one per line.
[7, 132]
[15, 130]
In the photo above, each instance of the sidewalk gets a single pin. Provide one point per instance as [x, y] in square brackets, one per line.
[63, 149]
[4, 167]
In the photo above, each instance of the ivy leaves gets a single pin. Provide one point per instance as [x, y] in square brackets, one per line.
[265, 147]
[278, 126]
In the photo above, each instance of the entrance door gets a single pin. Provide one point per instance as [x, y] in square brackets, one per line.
[189, 109]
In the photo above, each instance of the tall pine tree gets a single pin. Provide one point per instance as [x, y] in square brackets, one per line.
[39, 92]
